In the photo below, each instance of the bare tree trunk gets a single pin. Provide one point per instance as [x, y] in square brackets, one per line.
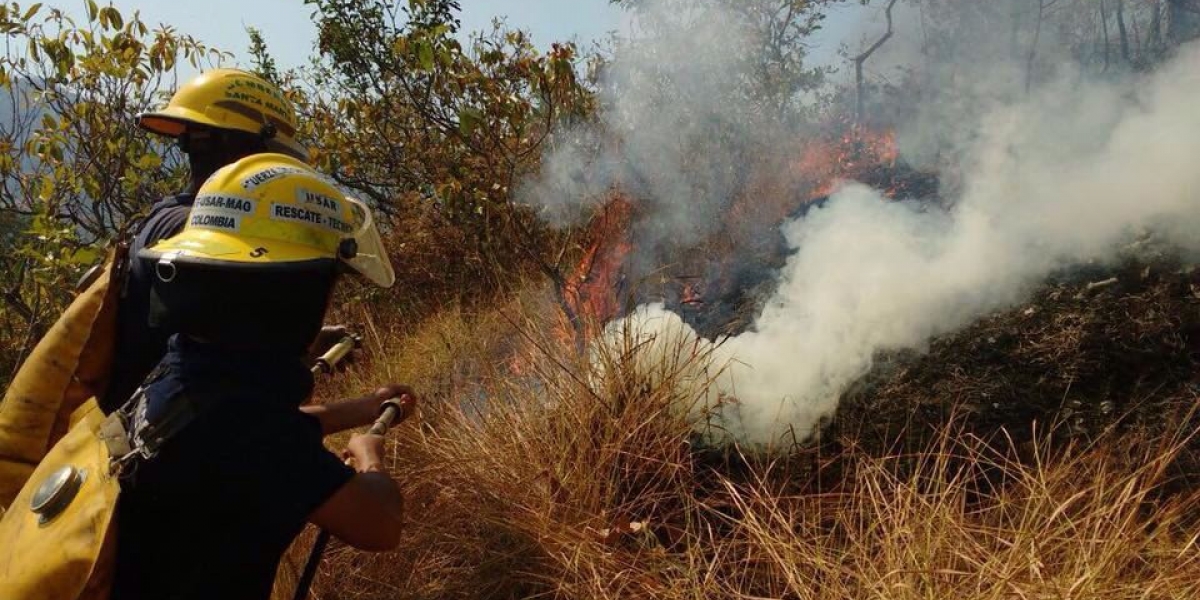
[924, 30]
[1014, 31]
[1037, 36]
[1138, 51]
[1104, 25]
[862, 58]
[1123, 32]
[1155, 41]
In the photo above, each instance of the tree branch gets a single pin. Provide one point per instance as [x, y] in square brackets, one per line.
[862, 58]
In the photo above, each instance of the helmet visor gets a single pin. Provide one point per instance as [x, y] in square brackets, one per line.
[370, 259]
[162, 125]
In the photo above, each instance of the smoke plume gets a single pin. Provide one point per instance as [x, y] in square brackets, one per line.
[679, 123]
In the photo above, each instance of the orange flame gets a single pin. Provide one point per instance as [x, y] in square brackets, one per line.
[691, 295]
[591, 293]
[812, 168]
[826, 163]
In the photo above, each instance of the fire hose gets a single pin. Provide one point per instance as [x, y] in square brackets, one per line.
[328, 361]
[390, 411]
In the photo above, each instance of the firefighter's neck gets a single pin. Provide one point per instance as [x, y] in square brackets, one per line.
[202, 168]
[204, 163]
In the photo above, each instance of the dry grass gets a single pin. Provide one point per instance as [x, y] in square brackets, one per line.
[531, 474]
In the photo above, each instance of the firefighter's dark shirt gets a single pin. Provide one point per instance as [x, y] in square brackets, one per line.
[210, 516]
[139, 346]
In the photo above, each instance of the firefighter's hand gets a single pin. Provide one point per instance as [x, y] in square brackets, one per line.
[395, 391]
[365, 453]
[329, 337]
[363, 410]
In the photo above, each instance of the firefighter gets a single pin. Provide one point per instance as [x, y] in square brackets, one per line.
[226, 469]
[216, 118]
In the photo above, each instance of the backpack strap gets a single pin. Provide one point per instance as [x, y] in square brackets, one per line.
[145, 438]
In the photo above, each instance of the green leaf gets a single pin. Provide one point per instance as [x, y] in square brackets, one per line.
[469, 120]
[84, 256]
[32, 11]
[92, 9]
[46, 190]
[425, 55]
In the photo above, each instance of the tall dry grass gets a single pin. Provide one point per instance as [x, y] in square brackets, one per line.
[532, 473]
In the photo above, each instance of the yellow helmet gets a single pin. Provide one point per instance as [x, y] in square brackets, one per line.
[230, 99]
[272, 210]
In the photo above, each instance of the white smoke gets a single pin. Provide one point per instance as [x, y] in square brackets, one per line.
[678, 125]
[1065, 175]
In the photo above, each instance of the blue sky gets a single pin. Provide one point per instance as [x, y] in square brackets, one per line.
[289, 32]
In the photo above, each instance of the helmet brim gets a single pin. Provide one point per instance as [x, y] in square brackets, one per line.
[206, 245]
[175, 121]
[288, 146]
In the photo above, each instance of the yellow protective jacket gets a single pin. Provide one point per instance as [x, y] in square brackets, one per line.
[68, 366]
[59, 535]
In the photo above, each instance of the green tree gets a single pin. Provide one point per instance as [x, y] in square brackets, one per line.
[437, 133]
[75, 167]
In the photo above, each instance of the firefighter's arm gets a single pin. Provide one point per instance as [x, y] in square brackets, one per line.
[368, 511]
[354, 412]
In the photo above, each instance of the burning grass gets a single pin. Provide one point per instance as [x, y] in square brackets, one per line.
[579, 479]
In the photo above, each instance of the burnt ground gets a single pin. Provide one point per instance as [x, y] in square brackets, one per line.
[1096, 348]
[1097, 353]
